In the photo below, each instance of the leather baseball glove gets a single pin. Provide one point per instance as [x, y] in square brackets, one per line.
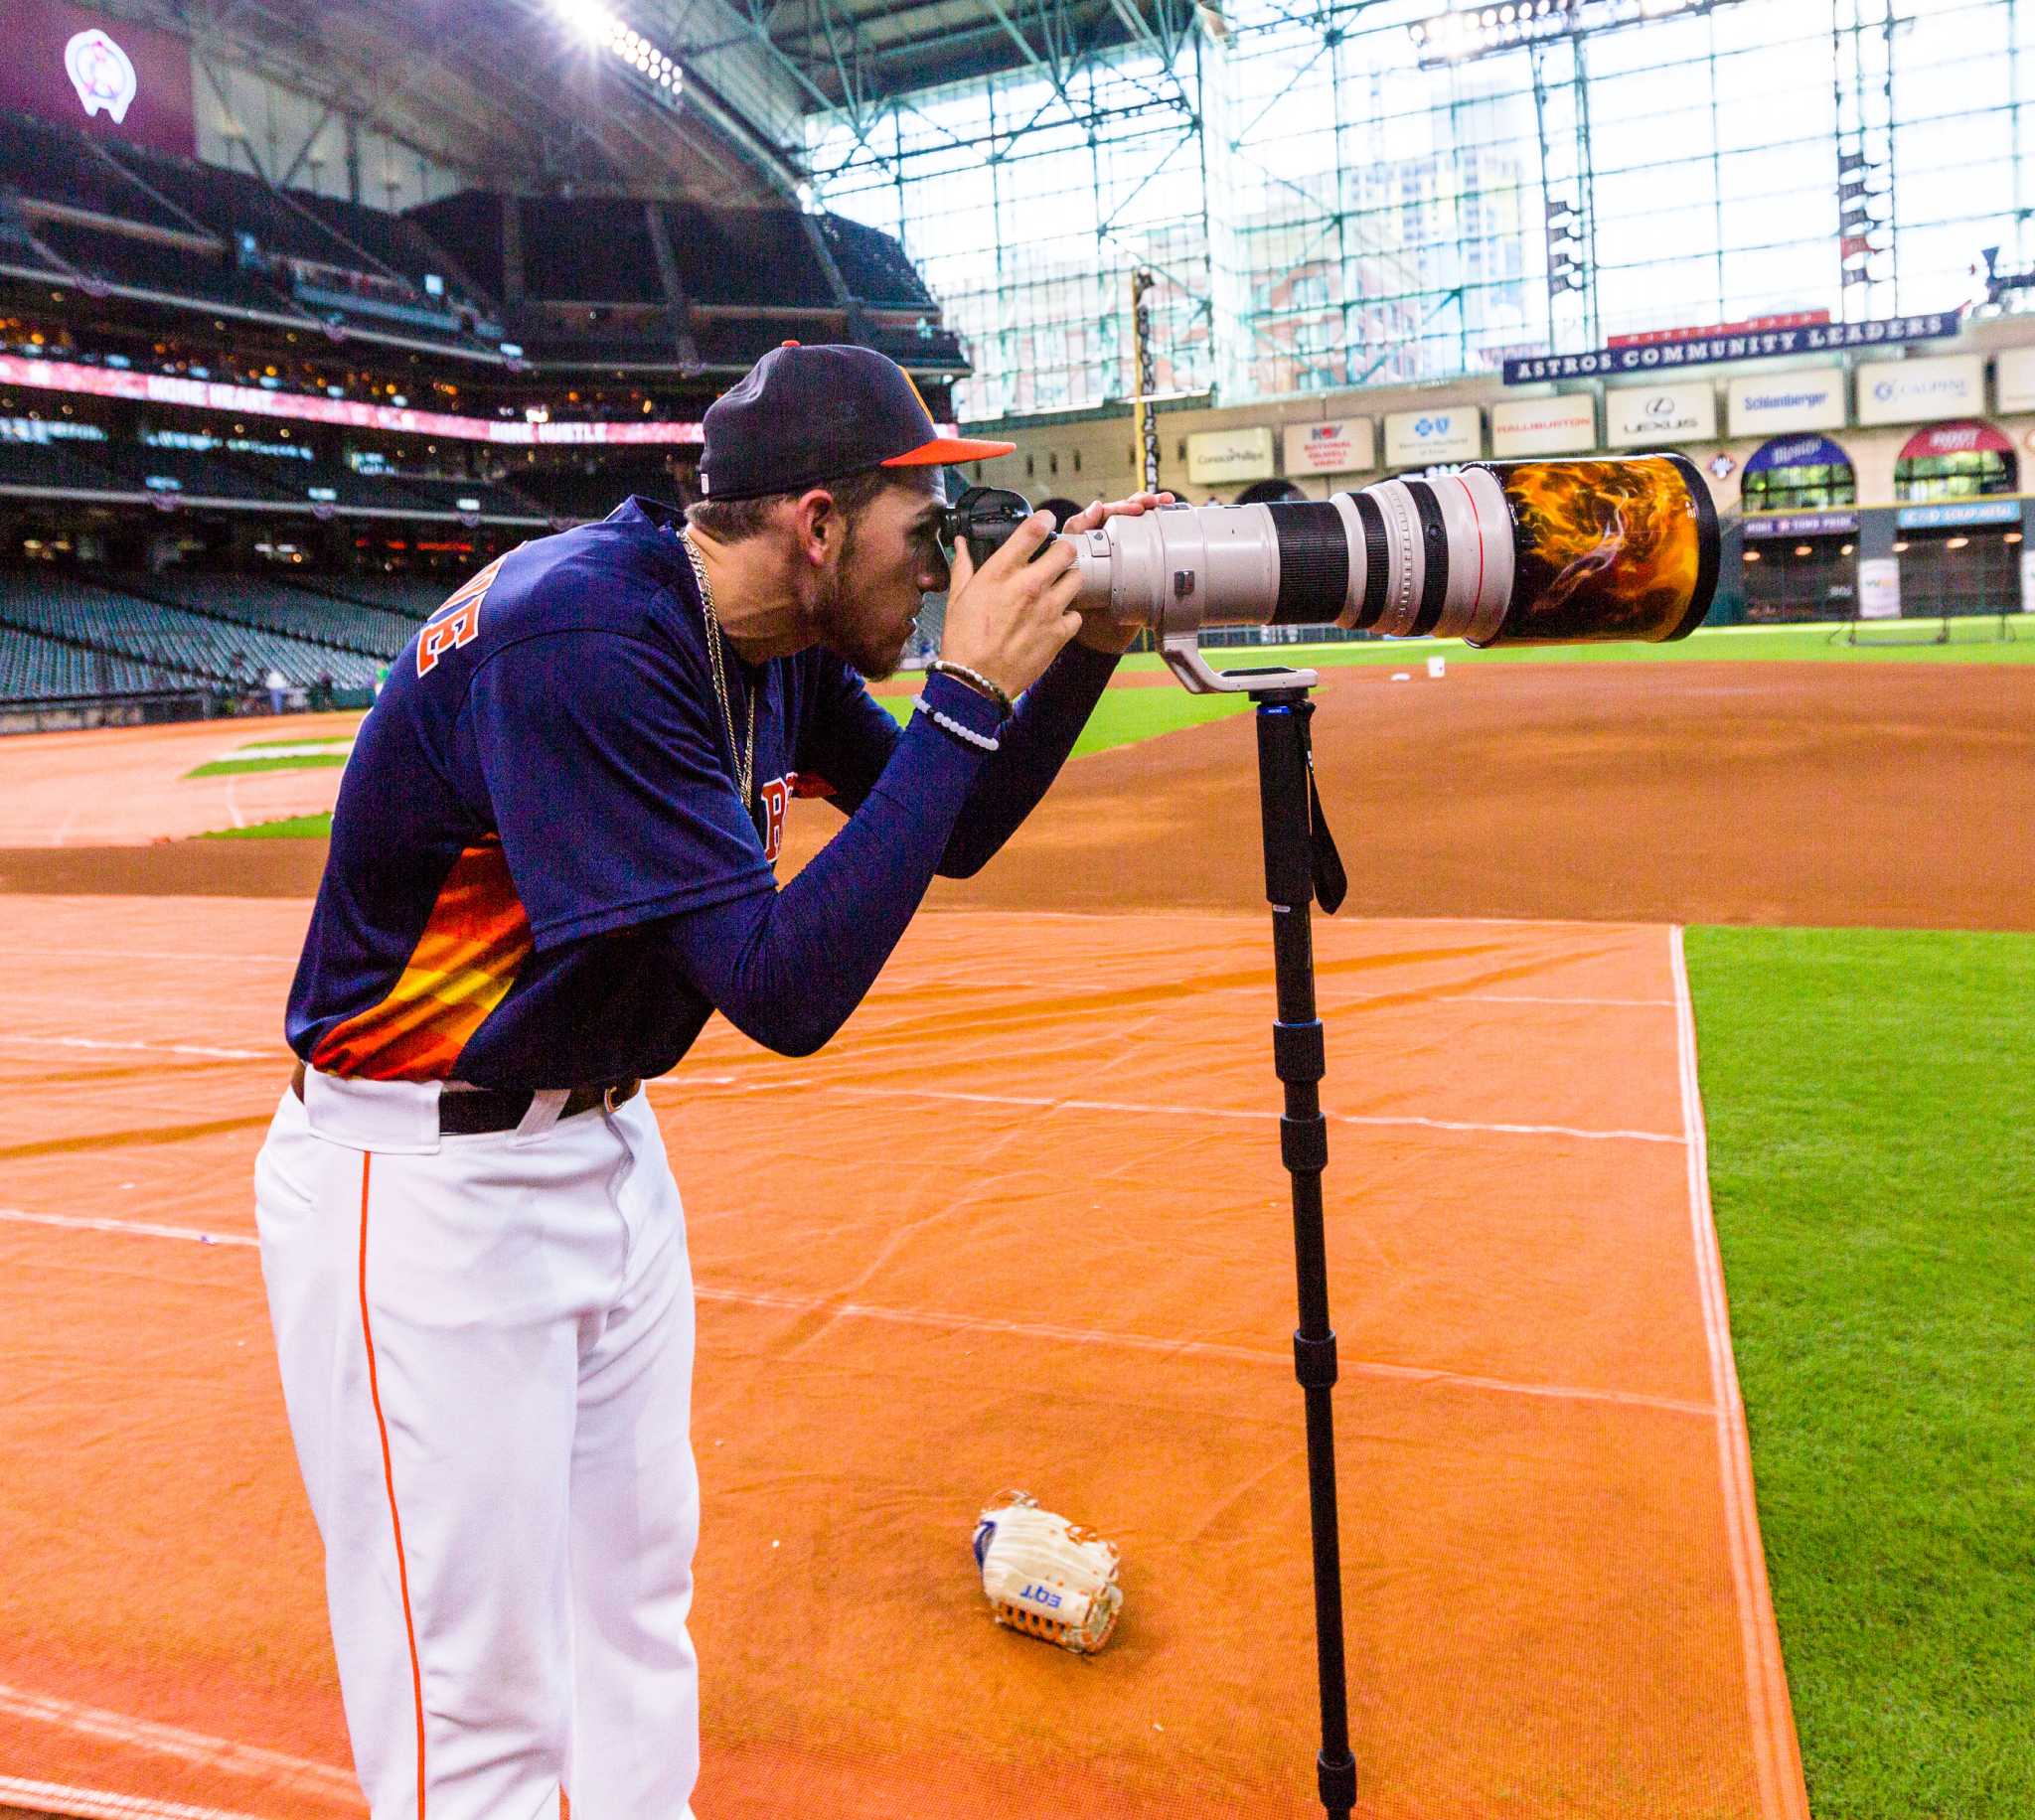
[1046, 1577]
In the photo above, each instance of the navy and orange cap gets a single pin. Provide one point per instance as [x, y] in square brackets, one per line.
[804, 415]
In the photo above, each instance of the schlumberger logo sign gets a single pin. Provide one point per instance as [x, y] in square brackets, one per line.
[1709, 349]
[100, 73]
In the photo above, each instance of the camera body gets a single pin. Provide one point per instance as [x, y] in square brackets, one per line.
[983, 517]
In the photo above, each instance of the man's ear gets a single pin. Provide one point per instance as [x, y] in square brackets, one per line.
[816, 523]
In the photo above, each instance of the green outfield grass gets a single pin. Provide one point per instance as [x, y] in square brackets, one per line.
[1974, 643]
[1871, 1108]
[289, 828]
[281, 761]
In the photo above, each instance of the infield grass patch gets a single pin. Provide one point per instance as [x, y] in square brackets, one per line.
[1125, 716]
[288, 828]
[1871, 1110]
[280, 761]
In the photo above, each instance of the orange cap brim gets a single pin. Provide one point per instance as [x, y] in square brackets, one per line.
[945, 450]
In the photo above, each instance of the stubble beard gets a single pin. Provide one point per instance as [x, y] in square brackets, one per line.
[843, 634]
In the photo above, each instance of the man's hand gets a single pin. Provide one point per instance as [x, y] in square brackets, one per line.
[1099, 632]
[1010, 618]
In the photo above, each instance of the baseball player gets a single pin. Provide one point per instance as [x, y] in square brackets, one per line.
[551, 860]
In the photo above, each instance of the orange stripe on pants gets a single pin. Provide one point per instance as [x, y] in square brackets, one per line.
[417, 1673]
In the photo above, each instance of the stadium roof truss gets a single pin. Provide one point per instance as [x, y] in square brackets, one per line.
[501, 90]
[504, 89]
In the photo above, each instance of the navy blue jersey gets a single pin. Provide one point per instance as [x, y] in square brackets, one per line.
[543, 872]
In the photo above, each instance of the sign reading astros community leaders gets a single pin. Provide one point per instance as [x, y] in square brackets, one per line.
[1708, 349]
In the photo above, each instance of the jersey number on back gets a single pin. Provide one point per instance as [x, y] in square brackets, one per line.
[457, 623]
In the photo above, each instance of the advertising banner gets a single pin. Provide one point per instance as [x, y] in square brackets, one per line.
[207, 394]
[1219, 456]
[1952, 514]
[1913, 391]
[1347, 445]
[1776, 403]
[1659, 417]
[2013, 379]
[1730, 343]
[1544, 427]
[1800, 523]
[84, 67]
[1879, 588]
[1422, 438]
[2027, 579]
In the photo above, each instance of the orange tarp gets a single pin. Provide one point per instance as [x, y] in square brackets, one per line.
[1023, 1225]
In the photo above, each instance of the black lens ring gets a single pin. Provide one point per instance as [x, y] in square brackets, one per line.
[1377, 558]
[1313, 562]
[1434, 543]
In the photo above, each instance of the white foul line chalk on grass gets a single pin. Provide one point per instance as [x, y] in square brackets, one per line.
[221, 1753]
[101, 1804]
[971, 1324]
[1777, 1752]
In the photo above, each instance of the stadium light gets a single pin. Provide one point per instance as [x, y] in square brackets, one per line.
[1461, 32]
[605, 31]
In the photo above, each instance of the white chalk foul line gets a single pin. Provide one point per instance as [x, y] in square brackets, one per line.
[983, 1324]
[206, 1051]
[102, 1804]
[1172, 1348]
[139, 1229]
[1161, 1110]
[221, 1753]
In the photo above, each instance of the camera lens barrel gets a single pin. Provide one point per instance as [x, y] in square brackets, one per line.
[1554, 551]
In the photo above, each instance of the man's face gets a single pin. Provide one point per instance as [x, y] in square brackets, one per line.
[889, 560]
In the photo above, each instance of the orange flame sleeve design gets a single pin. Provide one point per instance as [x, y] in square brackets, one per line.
[473, 945]
[1606, 549]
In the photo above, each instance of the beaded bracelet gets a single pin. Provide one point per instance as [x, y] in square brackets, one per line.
[974, 678]
[947, 721]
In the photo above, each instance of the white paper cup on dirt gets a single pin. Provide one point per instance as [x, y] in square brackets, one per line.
[1438, 667]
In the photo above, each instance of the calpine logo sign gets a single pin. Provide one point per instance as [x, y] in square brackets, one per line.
[101, 74]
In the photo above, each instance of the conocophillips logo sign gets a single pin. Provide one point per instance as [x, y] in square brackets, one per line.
[101, 74]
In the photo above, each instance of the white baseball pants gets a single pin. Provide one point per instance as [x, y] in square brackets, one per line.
[486, 1346]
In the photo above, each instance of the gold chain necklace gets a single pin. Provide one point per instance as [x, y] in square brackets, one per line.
[746, 756]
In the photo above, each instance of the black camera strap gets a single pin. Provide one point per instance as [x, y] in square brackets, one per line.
[1331, 882]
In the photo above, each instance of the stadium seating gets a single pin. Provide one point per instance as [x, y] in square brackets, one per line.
[495, 500]
[874, 264]
[49, 164]
[195, 473]
[416, 597]
[65, 465]
[268, 606]
[157, 631]
[755, 256]
[37, 669]
[591, 250]
[156, 266]
[472, 222]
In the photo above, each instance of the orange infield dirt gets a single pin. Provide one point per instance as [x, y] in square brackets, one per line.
[1023, 1225]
